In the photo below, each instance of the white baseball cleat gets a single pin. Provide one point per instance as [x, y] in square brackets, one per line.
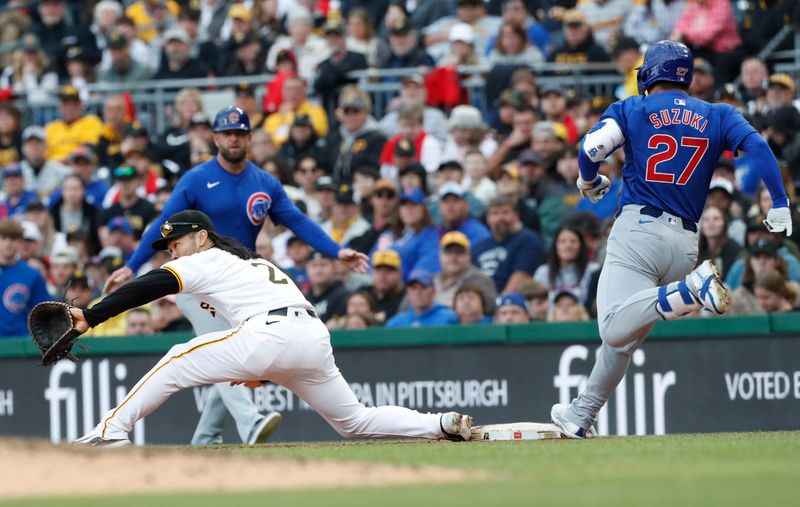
[706, 285]
[455, 426]
[265, 429]
[93, 439]
[569, 428]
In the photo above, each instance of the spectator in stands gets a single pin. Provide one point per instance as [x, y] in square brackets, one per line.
[21, 285]
[413, 93]
[139, 322]
[427, 148]
[71, 211]
[457, 271]
[361, 35]
[579, 43]
[123, 69]
[462, 47]
[567, 307]
[247, 57]
[213, 15]
[346, 222]
[115, 123]
[387, 284]
[419, 244]
[568, 267]
[121, 235]
[455, 215]
[30, 75]
[404, 50]
[32, 242]
[774, 293]
[56, 32]
[202, 48]
[325, 194]
[169, 317]
[650, 21]
[754, 75]
[721, 196]
[516, 12]
[547, 141]
[360, 307]
[10, 139]
[152, 16]
[332, 73]
[83, 163]
[469, 304]
[15, 198]
[538, 298]
[703, 81]
[470, 12]
[63, 264]
[513, 253]
[326, 293]
[73, 129]
[303, 142]
[627, 59]
[298, 251]
[105, 15]
[511, 186]
[606, 18]
[178, 62]
[139, 212]
[714, 241]
[246, 100]
[765, 253]
[175, 145]
[553, 104]
[305, 175]
[309, 49]
[79, 292]
[140, 51]
[39, 215]
[385, 222]
[517, 141]
[423, 310]
[476, 180]
[512, 308]
[708, 27]
[295, 102]
[467, 131]
[365, 178]
[568, 172]
[357, 141]
[513, 48]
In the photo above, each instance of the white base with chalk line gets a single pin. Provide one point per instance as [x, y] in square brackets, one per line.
[517, 431]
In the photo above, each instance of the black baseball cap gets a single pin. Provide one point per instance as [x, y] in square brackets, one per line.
[180, 224]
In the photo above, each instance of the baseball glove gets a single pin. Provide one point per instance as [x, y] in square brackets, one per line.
[50, 325]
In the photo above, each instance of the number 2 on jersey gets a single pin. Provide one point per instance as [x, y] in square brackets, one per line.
[699, 144]
[271, 269]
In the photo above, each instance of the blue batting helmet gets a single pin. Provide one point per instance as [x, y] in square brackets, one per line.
[231, 118]
[665, 60]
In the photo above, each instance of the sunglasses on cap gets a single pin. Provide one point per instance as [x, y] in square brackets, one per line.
[167, 227]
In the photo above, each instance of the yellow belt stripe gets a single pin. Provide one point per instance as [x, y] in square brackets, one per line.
[177, 277]
[105, 423]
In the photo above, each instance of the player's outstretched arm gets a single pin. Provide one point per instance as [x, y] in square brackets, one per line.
[146, 288]
[779, 217]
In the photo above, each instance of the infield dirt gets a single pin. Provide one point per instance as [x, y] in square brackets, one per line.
[36, 468]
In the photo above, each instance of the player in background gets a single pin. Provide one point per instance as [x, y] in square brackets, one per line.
[273, 333]
[238, 196]
[672, 143]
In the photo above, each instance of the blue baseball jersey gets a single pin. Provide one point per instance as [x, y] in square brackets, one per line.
[672, 143]
[21, 288]
[237, 204]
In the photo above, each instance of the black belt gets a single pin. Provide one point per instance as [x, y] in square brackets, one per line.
[656, 213]
[283, 312]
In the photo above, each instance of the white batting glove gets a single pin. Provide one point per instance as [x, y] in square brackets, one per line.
[594, 190]
[779, 220]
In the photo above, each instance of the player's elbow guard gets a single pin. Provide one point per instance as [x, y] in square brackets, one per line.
[602, 140]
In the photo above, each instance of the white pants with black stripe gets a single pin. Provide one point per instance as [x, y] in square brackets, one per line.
[293, 351]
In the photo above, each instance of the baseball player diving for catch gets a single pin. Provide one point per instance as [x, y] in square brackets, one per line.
[672, 143]
[274, 335]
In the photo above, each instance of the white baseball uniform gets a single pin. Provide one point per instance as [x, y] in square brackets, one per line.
[290, 346]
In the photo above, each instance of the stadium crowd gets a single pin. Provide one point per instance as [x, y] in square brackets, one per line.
[467, 217]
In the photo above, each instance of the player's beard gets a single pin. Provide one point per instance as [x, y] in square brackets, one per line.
[230, 157]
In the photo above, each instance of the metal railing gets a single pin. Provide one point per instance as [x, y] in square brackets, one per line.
[154, 99]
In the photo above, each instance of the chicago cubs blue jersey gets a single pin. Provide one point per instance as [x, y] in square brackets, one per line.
[672, 145]
[237, 204]
[21, 288]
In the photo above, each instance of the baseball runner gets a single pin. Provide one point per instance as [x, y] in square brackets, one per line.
[238, 196]
[672, 143]
[274, 333]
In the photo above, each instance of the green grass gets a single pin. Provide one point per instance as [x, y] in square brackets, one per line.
[730, 469]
